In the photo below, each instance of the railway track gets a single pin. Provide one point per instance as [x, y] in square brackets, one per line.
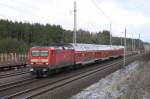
[22, 81]
[58, 85]
[6, 67]
[29, 90]
[14, 73]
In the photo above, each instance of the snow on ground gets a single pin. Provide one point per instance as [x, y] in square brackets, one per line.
[112, 86]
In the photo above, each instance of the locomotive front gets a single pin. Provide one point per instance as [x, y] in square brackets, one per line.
[45, 60]
[39, 60]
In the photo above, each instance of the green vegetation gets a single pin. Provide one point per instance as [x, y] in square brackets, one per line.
[19, 36]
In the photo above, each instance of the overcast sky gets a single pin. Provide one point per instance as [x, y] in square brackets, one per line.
[92, 15]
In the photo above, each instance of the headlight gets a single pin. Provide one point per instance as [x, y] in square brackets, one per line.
[44, 60]
[44, 70]
[34, 60]
[31, 69]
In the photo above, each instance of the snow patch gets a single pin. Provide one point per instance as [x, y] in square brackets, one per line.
[110, 87]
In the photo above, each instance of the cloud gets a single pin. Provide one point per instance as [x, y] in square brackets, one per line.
[122, 16]
[135, 21]
[130, 13]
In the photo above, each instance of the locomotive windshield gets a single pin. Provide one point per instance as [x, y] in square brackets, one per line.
[39, 53]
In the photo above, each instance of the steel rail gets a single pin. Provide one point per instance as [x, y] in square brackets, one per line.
[24, 81]
[66, 80]
[14, 74]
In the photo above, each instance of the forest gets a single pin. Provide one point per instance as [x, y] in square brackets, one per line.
[20, 36]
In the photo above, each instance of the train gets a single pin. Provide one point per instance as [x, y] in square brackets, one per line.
[44, 60]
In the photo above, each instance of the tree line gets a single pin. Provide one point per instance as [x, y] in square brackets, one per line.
[20, 36]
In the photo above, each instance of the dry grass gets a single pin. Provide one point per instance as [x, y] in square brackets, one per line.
[138, 84]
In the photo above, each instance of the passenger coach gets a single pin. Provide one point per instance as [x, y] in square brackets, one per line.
[47, 59]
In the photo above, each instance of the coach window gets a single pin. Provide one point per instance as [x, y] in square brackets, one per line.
[35, 53]
[44, 53]
[39, 53]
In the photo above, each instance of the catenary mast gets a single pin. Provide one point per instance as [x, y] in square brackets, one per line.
[75, 24]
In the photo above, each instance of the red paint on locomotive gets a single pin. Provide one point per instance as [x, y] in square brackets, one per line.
[43, 59]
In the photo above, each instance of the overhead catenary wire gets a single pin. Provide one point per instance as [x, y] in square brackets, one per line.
[100, 10]
[110, 21]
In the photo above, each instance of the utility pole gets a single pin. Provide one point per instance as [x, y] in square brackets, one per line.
[132, 42]
[75, 24]
[139, 44]
[124, 63]
[121, 40]
[110, 37]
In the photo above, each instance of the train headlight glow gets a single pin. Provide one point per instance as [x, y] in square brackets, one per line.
[44, 70]
[44, 60]
[31, 69]
[34, 60]
[39, 60]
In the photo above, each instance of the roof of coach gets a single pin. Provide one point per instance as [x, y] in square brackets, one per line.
[88, 47]
[55, 46]
[80, 46]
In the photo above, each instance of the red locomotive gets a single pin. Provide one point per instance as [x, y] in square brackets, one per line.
[46, 59]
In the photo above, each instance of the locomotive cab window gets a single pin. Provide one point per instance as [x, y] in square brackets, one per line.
[39, 53]
[44, 53]
[36, 53]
